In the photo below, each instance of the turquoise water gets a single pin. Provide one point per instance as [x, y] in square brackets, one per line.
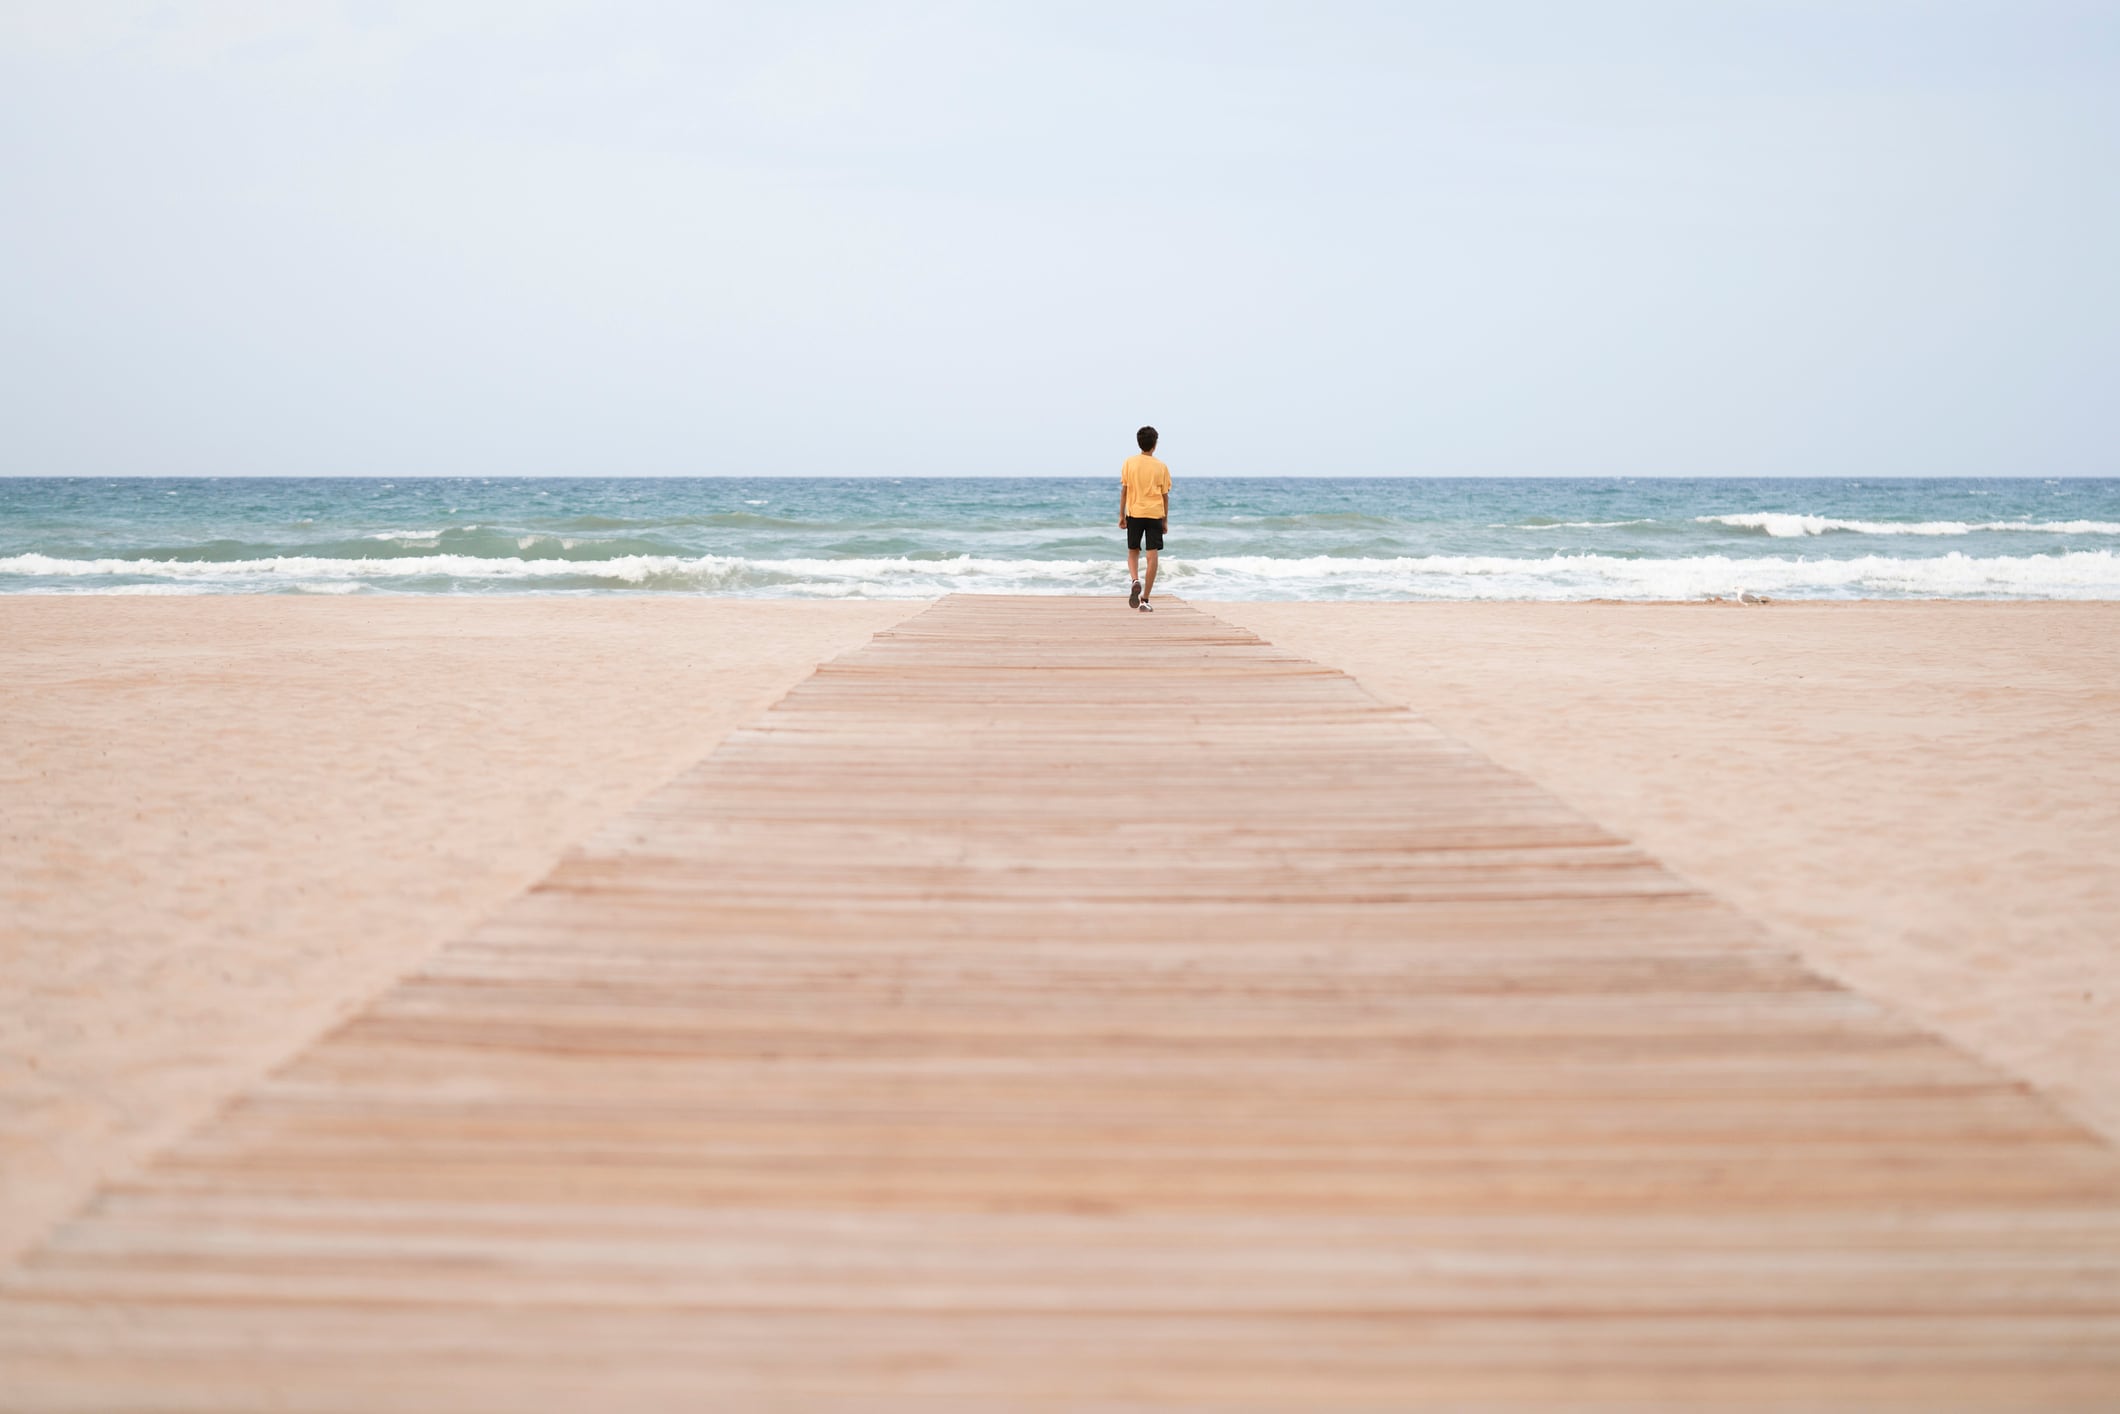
[1251, 538]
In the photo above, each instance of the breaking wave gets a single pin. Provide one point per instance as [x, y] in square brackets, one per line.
[1790, 526]
[2080, 574]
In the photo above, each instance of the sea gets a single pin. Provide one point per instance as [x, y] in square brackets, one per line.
[1229, 538]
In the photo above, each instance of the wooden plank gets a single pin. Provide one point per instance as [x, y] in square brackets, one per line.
[1049, 1006]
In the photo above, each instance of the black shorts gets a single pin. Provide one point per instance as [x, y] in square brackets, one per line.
[1139, 528]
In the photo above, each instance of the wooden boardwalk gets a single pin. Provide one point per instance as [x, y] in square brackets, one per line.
[1053, 1007]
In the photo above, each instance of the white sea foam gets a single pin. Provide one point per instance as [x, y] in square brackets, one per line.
[2080, 574]
[1789, 526]
[2085, 574]
[148, 589]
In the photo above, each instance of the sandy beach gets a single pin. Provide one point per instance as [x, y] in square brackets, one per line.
[1923, 799]
[228, 821]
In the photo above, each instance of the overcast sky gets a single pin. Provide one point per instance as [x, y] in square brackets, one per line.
[1692, 238]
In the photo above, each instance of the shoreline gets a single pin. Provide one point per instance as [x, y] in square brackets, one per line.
[231, 818]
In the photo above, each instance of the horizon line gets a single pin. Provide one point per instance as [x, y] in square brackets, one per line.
[1045, 476]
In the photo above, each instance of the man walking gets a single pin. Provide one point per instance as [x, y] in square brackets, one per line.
[1144, 511]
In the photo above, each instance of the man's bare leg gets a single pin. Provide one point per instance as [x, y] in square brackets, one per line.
[1148, 586]
[1133, 563]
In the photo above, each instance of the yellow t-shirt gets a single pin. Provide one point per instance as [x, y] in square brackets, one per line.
[1147, 482]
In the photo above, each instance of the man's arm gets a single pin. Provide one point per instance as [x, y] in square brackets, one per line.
[1122, 503]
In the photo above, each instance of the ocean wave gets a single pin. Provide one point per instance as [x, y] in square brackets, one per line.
[723, 519]
[2080, 574]
[1542, 523]
[883, 577]
[1790, 526]
[409, 546]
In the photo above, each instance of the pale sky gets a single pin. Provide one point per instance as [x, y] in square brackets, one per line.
[1690, 238]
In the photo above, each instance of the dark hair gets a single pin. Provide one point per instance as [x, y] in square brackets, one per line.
[1147, 438]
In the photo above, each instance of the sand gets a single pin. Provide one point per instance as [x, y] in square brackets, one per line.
[225, 822]
[1226, 1084]
[1922, 798]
